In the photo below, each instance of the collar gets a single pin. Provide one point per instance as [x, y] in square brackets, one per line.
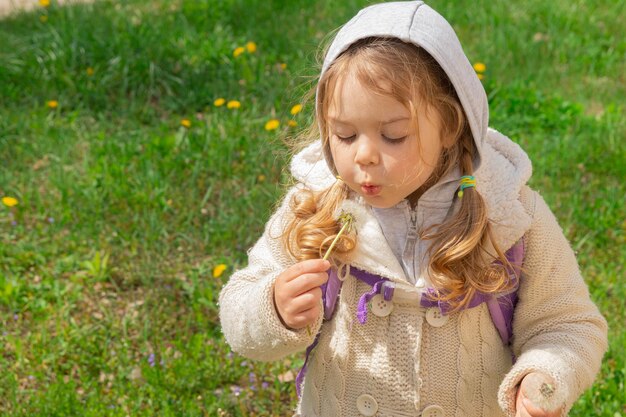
[505, 169]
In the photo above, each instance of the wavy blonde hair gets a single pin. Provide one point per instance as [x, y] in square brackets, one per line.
[462, 250]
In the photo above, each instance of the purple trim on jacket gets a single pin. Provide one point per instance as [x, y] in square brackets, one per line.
[501, 308]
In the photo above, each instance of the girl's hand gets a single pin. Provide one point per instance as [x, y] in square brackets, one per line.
[534, 397]
[297, 293]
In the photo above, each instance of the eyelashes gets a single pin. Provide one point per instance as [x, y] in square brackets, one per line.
[348, 139]
[392, 141]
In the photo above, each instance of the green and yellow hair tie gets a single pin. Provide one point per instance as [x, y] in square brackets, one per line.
[466, 182]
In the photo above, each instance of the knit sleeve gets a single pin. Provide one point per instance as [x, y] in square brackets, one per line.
[248, 317]
[557, 329]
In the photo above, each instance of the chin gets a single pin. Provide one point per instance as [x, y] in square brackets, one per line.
[379, 203]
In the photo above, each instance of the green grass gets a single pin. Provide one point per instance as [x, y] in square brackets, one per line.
[108, 304]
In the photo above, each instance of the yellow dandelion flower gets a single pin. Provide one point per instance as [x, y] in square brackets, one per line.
[238, 51]
[43, 18]
[261, 178]
[53, 104]
[292, 123]
[251, 47]
[219, 270]
[296, 109]
[90, 71]
[185, 123]
[272, 124]
[44, 3]
[480, 76]
[219, 102]
[480, 67]
[283, 65]
[233, 104]
[9, 201]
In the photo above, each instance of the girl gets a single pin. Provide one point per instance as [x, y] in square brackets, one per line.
[430, 271]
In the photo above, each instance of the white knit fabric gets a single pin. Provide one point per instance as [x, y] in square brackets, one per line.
[401, 360]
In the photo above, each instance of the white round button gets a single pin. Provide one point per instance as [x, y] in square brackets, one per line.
[367, 405]
[380, 307]
[432, 411]
[435, 318]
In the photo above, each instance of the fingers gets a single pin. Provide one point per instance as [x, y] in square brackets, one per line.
[533, 399]
[305, 283]
[306, 267]
[304, 318]
[526, 408]
[535, 411]
[297, 292]
[304, 302]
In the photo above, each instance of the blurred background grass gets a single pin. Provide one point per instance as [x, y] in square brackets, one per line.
[137, 196]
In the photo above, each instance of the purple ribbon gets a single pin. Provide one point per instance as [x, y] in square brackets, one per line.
[501, 307]
[376, 282]
[302, 371]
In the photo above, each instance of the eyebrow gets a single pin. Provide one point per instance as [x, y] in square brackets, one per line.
[386, 122]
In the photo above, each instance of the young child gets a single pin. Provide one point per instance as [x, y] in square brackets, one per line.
[447, 243]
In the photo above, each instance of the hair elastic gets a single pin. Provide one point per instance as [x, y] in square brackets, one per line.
[467, 181]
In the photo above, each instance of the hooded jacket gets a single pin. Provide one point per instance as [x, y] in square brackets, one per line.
[406, 360]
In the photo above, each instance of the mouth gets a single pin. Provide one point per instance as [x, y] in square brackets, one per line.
[371, 190]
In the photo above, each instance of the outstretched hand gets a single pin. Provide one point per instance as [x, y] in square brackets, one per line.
[533, 397]
[297, 293]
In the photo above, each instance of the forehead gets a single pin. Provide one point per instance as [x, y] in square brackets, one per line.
[354, 101]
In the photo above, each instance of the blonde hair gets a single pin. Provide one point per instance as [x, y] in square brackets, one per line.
[462, 248]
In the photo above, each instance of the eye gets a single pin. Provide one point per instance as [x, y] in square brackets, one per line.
[394, 141]
[346, 139]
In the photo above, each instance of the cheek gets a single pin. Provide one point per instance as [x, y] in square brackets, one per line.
[338, 158]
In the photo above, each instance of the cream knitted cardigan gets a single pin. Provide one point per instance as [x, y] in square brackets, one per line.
[401, 362]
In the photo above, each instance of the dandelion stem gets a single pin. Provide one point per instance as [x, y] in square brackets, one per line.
[332, 245]
[347, 220]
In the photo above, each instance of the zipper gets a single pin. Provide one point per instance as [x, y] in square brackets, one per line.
[411, 240]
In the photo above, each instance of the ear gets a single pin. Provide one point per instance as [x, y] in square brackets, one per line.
[447, 140]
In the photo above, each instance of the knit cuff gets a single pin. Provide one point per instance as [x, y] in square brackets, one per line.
[545, 361]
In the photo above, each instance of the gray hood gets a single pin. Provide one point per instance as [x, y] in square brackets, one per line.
[415, 22]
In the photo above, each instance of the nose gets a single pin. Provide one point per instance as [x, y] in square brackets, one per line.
[367, 152]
